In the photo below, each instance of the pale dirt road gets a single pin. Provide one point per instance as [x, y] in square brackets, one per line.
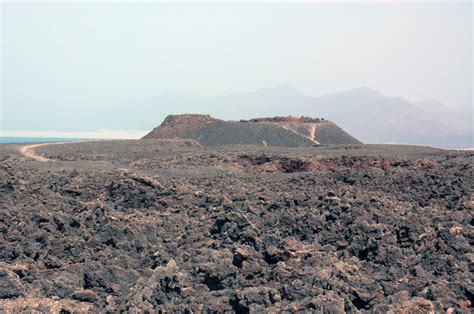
[29, 150]
[311, 136]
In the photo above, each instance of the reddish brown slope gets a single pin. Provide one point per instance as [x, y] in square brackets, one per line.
[291, 131]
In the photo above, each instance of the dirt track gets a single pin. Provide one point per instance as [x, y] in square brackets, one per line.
[29, 151]
[238, 229]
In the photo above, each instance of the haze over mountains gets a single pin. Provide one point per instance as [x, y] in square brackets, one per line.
[364, 113]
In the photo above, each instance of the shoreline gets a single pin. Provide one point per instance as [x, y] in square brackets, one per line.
[98, 134]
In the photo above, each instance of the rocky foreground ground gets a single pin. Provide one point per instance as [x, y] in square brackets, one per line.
[168, 225]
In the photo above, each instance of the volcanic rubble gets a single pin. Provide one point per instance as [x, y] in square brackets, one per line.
[135, 227]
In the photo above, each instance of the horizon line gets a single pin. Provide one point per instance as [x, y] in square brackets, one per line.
[98, 134]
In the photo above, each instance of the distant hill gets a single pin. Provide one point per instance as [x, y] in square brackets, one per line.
[288, 131]
[364, 113]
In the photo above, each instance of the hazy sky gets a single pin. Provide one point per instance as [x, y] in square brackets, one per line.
[100, 54]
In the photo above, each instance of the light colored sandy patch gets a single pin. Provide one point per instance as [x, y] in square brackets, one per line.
[312, 133]
[28, 304]
[17, 266]
[123, 170]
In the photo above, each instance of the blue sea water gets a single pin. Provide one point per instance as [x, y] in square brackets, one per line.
[41, 139]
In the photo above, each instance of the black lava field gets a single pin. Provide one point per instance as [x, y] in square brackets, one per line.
[170, 226]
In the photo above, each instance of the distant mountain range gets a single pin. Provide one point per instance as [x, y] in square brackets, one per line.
[364, 113]
[288, 131]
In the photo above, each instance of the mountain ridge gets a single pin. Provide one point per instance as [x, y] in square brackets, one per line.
[363, 112]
